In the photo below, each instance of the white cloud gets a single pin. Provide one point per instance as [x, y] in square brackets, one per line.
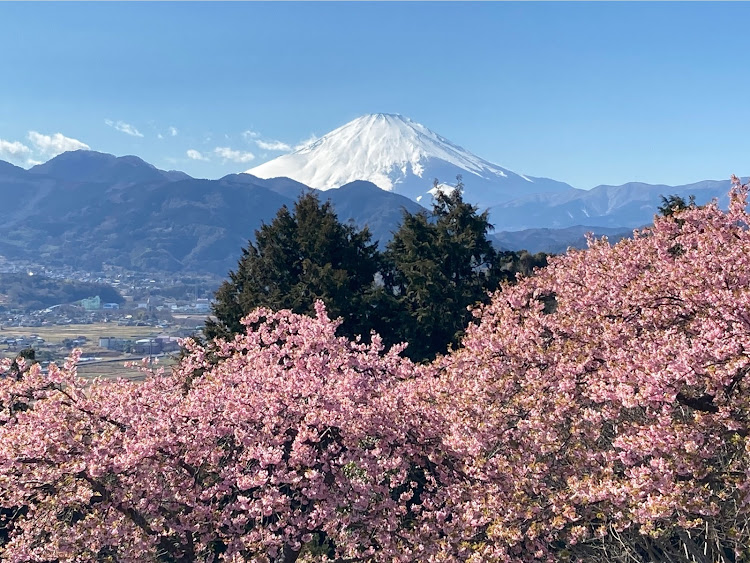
[195, 155]
[310, 140]
[234, 155]
[31, 162]
[159, 136]
[273, 145]
[173, 131]
[52, 145]
[123, 127]
[265, 144]
[13, 150]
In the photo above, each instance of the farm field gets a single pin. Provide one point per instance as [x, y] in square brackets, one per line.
[57, 333]
[112, 369]
[103, 362]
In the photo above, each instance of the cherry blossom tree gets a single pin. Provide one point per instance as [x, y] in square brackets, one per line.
[605, 402]
[293, 443]
[598, 411]
[82, 467]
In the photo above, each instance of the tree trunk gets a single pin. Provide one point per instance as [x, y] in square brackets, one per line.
[288, 555]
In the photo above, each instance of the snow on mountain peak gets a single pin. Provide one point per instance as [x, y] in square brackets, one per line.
[396, 154]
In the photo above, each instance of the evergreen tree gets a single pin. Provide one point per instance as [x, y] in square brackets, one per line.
[25, 358]
[674, 204]
[523, 262]
[300, 257]
[438, 265]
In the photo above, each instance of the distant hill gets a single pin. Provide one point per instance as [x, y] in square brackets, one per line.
[35, 292]
[364, 204]
[95, 167]
[555, 241]
[8, 170]
[629, 205]
[86, 208]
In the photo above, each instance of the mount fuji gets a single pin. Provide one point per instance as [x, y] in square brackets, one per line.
[401, 156]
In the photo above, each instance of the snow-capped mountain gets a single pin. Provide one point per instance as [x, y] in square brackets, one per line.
[401, 156]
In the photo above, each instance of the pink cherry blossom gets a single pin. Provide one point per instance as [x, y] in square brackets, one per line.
[596, 411]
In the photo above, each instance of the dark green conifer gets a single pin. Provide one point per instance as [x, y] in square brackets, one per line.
[438, 265]
[300, 257]
[672, 204]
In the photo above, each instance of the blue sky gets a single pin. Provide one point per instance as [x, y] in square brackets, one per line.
[587, 93]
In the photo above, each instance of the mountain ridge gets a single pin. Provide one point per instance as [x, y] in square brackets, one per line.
[86, 208]
[629, 205]
[147, 220]
[93, 166]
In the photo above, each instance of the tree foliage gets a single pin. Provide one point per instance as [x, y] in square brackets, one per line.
[294, 442]
[598, 411]
[616, 427]
[673, 204]
[298, 258]
[418, 291]
[439, 265]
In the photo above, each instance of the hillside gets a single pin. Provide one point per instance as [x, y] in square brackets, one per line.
[29, 292]
[84, 209]
[141, 218]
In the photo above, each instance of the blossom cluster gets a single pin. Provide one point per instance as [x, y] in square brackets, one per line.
[600, 405]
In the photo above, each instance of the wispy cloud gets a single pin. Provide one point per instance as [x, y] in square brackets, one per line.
[234, 155]
[52, 145]
[14, 151]
[173, 131]
[310, 140]
[273, 145]
[195, 155]
[123, 127]
[265, 144]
